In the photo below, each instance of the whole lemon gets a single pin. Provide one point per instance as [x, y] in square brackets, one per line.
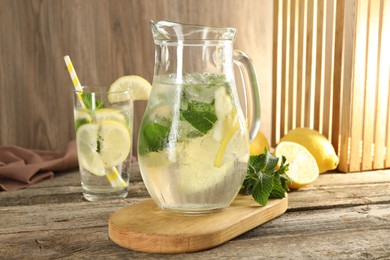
[317, 144]
[258, 144]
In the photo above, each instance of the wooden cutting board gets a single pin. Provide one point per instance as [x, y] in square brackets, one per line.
[145, 227]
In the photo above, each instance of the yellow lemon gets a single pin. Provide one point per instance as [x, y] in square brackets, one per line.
[302, 166]
[317, 144]
[258, 144]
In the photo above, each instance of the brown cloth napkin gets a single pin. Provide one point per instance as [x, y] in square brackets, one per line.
[20, 167]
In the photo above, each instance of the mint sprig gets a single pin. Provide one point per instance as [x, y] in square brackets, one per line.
[264, 179]
[155, 136]
[87, 99]
[200, 115]
[88, 103]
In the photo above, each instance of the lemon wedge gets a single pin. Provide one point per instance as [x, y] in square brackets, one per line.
[303, 168]
[139, 89]
[225, 141]
[226, 125]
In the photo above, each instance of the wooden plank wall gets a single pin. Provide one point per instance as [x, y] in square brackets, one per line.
[368, 110]
[303, 66]
[105, 39]
[331, 73]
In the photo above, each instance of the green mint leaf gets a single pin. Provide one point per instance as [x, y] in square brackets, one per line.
[80, 122]
[264, 162]
[263, 180]
[262, 188]
[200, 115]
[277, 190]
[282, 174]
[99, 104]
[155, 136]
[87, 99]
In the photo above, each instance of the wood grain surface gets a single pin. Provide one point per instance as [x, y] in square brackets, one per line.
[337, 217]
[145, 227]
[105, 40]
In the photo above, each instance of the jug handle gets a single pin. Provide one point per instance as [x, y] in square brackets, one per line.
[245, 64]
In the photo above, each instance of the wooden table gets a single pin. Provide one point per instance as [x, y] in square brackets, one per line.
[340, 216]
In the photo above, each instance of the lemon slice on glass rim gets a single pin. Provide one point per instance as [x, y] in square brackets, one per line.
[139, 88]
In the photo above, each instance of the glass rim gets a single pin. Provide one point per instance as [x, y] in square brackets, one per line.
[170, 31]
[98, 89]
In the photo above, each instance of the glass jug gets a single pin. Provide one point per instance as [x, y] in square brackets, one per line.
[193, 146]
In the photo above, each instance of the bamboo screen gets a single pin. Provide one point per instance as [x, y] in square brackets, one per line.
[331, 66]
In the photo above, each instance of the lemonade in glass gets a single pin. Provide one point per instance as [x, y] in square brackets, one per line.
[104, 127]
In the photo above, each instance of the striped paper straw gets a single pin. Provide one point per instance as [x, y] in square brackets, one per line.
[113, 175]
[75, 79]
[115, 179]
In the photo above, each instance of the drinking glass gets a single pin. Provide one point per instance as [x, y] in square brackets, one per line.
[104, 131]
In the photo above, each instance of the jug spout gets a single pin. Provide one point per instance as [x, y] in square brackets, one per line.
[174, 32]
[158, 32]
